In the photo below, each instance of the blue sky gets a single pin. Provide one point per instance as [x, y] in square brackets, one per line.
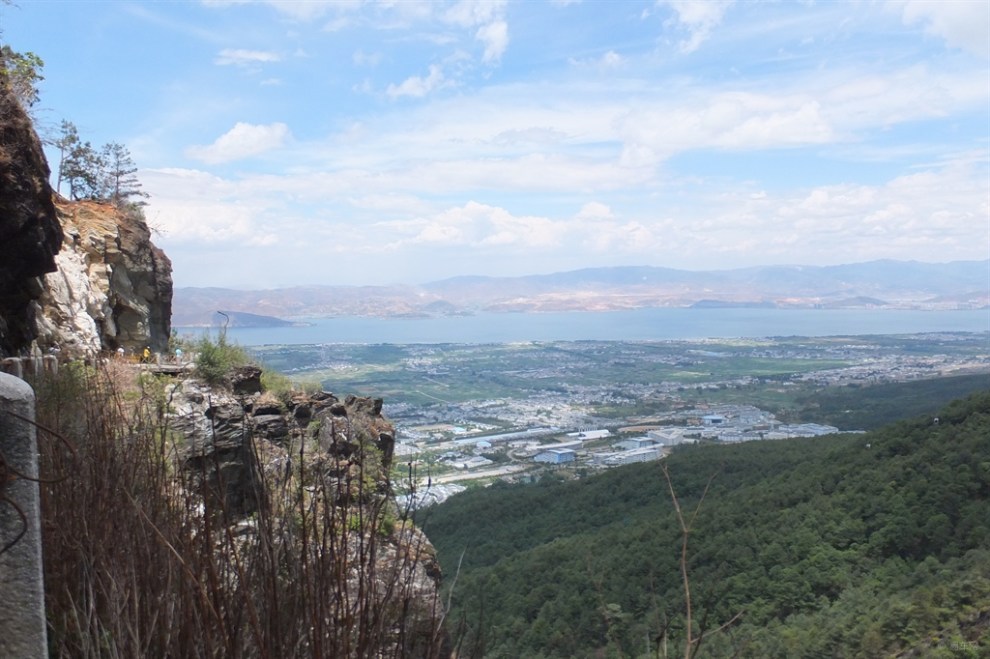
[376, 142]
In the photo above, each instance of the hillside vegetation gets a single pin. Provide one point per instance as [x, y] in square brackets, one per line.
[869, 408]
[870, 545]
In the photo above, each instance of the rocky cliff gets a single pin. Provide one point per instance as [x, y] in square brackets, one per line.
[113, 287]
[30, 234]
[325, 463]
[83, 276]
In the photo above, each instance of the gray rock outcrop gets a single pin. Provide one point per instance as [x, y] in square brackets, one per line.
[242, 446]
[113, 287]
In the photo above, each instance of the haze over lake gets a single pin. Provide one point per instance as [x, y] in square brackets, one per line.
[636, 325]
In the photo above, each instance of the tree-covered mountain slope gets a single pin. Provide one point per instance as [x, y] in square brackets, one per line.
[870, 545]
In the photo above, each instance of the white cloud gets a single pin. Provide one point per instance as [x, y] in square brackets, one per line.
[361, 58]
[531, 136]
[869, 101]
[595, 210]
[305, 10]
[191, 206]
[417, 86]
[493, 229]
[489, 17]
[934, 215]
[731, 120]
[241, 57]
[469, 13]
[337, 24]
[363, 87]
[390, 203]
[962, 23]
[477, 225]
[609, 61]
[242, 141]
[495, 36]
[698, 17]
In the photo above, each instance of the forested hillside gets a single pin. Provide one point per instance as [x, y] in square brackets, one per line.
[873, 406]
[868, 545]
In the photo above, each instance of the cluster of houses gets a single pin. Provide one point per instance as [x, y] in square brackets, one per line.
[598, 448]
[733, 423]
[627, 451]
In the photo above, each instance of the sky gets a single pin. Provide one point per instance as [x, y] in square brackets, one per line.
[358, 142]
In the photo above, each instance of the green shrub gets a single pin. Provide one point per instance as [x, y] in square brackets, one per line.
[215, 359]
[277, 384]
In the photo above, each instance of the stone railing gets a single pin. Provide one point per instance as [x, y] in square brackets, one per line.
[22, 591]
[30, 366]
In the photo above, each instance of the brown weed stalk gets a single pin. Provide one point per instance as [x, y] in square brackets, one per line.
[142, 561]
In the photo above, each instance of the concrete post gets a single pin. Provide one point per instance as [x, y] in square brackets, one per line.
[13, 366]
[22, 591]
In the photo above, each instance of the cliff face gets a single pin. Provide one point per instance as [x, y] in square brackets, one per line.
[324, 463]
[82, 276]
[113, 287]
[30, 234]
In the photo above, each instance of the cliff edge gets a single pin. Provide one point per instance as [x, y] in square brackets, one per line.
[30, 234]
[80, 276]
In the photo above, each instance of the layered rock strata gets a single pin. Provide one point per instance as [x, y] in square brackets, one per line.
[113, 287]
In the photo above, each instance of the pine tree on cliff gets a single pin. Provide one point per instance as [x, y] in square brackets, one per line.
[121, 182]
[107, 175]
[83, 169]
[67, 140]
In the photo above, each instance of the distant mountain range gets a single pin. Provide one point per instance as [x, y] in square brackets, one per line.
[873, 284]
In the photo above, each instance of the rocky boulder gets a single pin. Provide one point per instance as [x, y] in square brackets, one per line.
[219, 456]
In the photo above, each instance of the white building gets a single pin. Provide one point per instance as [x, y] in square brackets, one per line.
[635, 443]
[667, 436]
[586, 435]
[471, 463]
[556, 456]
[636, 455]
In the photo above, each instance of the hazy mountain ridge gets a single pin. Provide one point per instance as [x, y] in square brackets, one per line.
[873, 284]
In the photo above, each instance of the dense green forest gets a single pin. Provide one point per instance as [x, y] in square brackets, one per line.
[869, 545]
[873, 406]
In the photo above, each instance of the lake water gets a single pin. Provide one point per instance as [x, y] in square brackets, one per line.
[637, 325]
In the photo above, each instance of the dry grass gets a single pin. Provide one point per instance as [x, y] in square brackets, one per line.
[138, 563]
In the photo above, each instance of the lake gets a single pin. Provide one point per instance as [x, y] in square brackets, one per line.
[635, 325]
